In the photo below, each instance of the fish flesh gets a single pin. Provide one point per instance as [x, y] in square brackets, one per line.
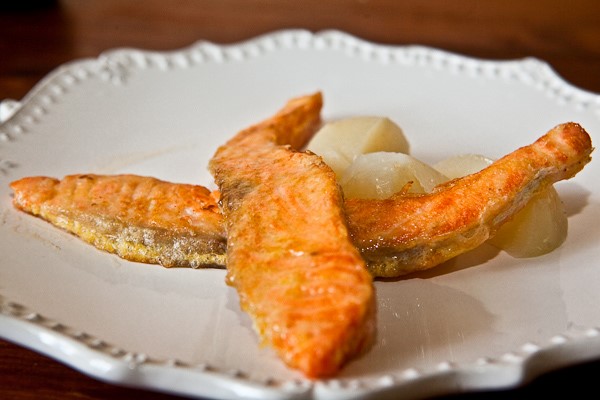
[289, 254]
[138, 218]
[411, 232]
[396, 236]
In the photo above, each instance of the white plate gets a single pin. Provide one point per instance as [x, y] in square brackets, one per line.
[482, 321]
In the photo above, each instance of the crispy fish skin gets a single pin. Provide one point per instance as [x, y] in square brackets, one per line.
[407, 233]
[420, 243]
[289, 254]
[138, 218]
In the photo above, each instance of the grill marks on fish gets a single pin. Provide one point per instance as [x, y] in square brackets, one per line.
[408, 232]
[138, 218]
[289, 254]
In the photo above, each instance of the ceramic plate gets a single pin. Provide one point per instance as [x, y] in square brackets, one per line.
[484, 320]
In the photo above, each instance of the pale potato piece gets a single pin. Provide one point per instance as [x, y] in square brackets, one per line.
[462, 165]
[340, 142]
[540, 227]
[381, 174]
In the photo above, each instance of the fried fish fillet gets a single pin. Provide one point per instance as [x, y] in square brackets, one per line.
[400, 235]
[411, 232]
[139, 218]
[289, 254]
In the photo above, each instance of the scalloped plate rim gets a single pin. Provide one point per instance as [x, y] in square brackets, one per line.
[521, 369]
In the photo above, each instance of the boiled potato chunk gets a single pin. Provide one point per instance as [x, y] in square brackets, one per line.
[462, 165]
[381, 174]
[340, 142]
[540, 227]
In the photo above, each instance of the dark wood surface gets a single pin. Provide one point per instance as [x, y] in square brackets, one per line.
[37, 36]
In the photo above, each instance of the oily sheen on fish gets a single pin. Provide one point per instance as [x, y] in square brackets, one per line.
[412, 232]
[138, 218]
[396, 236]
[289, 253]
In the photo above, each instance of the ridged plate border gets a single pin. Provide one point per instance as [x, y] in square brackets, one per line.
[24, 326]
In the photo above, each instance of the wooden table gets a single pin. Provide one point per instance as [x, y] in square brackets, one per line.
[38, 35]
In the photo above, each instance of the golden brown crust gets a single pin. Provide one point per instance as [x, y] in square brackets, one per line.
[139, 218]
[386, 232]
[407, 233]
[289, 254]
